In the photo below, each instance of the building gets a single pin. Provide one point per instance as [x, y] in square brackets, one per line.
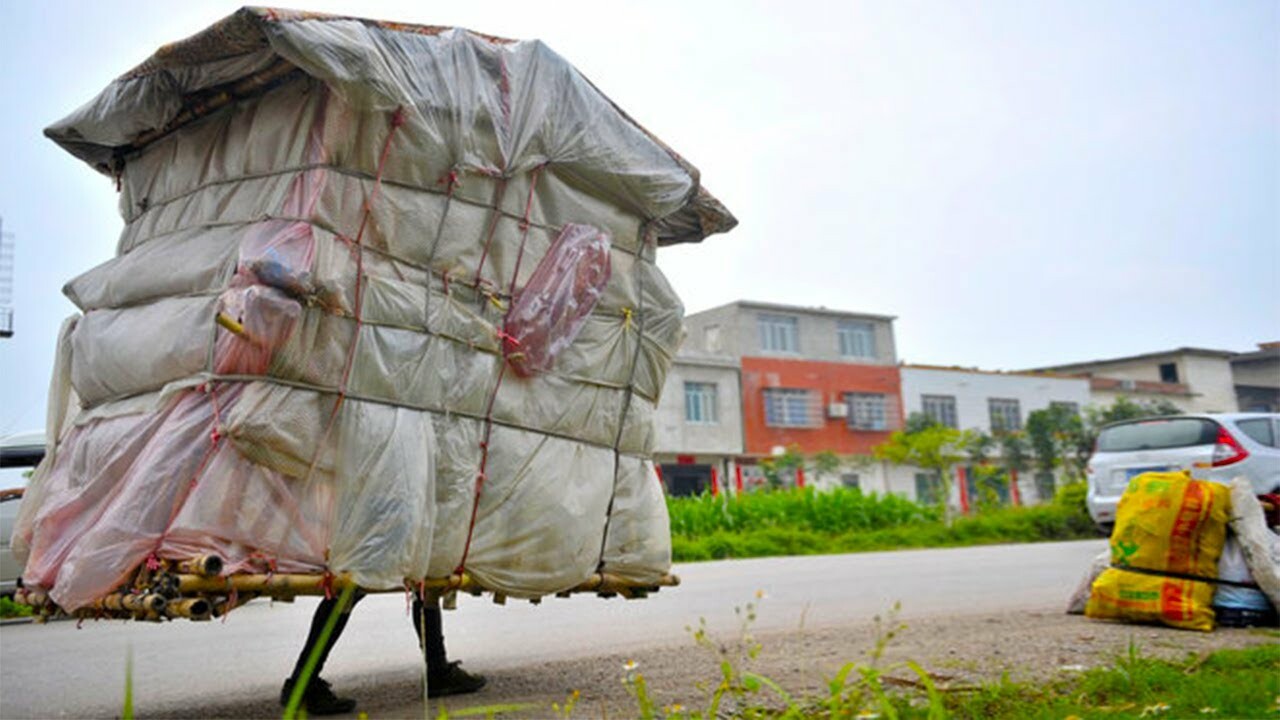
[1257, 378]
[812, 379]
[1193, 379]
[698, 424]
[991, 402]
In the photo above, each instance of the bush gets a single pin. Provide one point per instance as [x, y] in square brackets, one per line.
[805, 522]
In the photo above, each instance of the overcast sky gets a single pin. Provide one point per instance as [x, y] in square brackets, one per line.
[1020, 183]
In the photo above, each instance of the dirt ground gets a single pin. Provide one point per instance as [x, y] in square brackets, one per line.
[960, 650]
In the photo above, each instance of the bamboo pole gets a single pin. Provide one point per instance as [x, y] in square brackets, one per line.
[128, 602]
[286, 585]
[197, 608]
[206, 565]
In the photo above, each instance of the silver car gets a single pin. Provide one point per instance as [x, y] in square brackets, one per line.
[19, 454]
[1215, 447]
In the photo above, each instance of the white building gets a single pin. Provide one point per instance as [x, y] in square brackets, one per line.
[698, 424]
[970, 399]
[1194, 379]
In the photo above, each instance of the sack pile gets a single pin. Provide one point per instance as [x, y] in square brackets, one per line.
[385, 304]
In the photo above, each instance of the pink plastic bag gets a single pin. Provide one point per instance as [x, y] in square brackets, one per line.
[549, 311]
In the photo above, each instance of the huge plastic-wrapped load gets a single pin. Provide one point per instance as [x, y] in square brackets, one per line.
[385, 305]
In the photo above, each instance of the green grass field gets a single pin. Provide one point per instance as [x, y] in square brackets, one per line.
[807, 522]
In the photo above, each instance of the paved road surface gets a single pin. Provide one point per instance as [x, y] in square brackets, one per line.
[57, 670]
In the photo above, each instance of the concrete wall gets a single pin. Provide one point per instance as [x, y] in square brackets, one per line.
[1261, 372]
[675, 436]
[1211, 381]
[973, 389]
[734, 330]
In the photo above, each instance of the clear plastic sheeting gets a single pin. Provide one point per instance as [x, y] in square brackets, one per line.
[385, 304]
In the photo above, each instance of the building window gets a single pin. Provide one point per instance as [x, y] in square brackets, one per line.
[868, 411]
[928, 488]
[779, 333]
[1169, 372]
[857, 339]
[700, 403]
[1005, 414]
[1069, 407]
[851, 480]
[784, 407]
[941, 409]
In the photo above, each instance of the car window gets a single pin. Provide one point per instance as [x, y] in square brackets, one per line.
[13, 477]
[1259, 429]
[1158, 435]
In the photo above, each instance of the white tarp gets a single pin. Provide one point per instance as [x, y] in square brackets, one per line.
[362, 221]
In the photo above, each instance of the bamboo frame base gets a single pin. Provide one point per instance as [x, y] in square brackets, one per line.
[193, 589]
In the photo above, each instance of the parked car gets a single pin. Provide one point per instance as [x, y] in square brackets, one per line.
[19, 454]
[1216, 447]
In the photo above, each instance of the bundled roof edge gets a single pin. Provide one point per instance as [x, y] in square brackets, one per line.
[247, 53]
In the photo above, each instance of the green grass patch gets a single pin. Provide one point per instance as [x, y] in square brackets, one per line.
[806, 522]
[11, 609]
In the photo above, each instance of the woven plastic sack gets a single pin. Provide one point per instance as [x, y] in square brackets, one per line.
[1165, 523]
[1123, 595]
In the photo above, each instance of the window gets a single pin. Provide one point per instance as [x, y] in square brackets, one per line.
[928, 488]
[868, 411]
[857, 339]
[851, 480]
[779, 333]
[1169, 372]
[940, 409]
[700, 403]
[1157, 434]
[1005, 414]
[1259, 429]
[1072, 408]
[785, 407]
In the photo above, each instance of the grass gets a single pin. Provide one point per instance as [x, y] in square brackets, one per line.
[11, 609]
[1227, 683]
[805, 522]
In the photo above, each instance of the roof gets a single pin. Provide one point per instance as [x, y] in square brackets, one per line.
[456, 83]
[1265, 351]
[1224, 354]
[778, 307]
[1138, 387]
[1020, 373]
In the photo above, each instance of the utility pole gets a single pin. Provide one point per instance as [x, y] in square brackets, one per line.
[6, 282]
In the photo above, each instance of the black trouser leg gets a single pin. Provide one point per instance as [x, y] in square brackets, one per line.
[327, 607]
[427, 623]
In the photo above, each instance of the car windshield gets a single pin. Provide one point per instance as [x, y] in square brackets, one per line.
[1158, 435]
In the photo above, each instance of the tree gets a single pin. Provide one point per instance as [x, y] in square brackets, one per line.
[929, 446]
[825, 463]
[779, 465]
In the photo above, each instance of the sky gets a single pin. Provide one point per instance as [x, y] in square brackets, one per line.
[1020, 183]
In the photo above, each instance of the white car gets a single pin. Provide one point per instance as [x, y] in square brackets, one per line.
[19, 455]
[1216, 447]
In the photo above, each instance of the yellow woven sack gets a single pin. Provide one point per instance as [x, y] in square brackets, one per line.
[1124, 595]
[1166, 522]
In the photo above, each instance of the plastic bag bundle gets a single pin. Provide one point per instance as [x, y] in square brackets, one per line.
[1169, 531]
[385, 304]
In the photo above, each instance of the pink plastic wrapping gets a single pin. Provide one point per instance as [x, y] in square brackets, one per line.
[548, 312]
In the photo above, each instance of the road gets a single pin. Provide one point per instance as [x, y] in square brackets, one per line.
[59, 670]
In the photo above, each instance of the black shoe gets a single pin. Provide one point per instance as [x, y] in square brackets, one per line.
[452, 680]
[318, 698]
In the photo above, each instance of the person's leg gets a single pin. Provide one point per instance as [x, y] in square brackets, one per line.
[319, 698]
[430, 629]
[443, 677]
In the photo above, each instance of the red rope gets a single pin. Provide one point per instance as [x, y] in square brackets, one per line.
[502, 370]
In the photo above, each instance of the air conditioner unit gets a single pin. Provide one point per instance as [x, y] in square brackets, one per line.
[837, 410]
